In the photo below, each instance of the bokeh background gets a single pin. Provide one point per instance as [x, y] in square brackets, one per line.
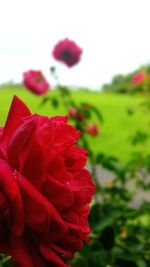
[113, 34]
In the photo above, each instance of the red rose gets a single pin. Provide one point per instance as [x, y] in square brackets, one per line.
[45, 191]
[72, 112]
[35, 82]
[67, 51]
[80, 116]
[92, 129]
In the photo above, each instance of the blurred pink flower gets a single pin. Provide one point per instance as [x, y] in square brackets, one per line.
[67, 51]
[35, 82]
[139, 77]
[92, 129]
[72, 112]
[80, 116]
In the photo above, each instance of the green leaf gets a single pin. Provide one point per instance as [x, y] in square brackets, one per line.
[139, 138]
[100, 157]
[104, 216]
[95, 215]
[64, 90]
[98, 113]
[54, 102]
[107, 238]
[112, 163]
[44, 100]
[141, 263]
[122, 262]
[79, 261]
[87, 113]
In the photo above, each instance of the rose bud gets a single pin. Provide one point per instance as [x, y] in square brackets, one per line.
[67, 51]
[45, 189]
[80, 116]
[92, 129]
[72, 112]
[35, 82]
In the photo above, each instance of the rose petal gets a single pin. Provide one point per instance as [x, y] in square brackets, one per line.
[20, 253]
[71, 242]
[26, 154]
[51, 256]
[5, 246]
[10, 189]
[75, 158]
[57, 168]
[40, 215]
[62, 251]
[19, 142]
[82, 187]
[17, 112]
[56, 191]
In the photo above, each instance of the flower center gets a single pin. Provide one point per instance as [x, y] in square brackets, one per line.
[66, 55]
[39, 79]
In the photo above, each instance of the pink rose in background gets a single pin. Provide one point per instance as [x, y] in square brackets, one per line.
[72, 112]
[80, 116]
[138, 78]
[68, 52]
[35, 82]
[92, 129]
[45, 189]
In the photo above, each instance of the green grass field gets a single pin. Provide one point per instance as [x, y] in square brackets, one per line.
[118, 126]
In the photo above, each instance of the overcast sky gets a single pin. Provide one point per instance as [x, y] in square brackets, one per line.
[114, 34]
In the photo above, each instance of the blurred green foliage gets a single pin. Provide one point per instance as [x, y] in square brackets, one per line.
[123, 83]
[118, 124]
